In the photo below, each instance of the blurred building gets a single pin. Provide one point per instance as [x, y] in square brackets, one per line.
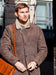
[41, 14]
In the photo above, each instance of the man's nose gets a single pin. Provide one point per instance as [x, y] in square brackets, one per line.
[25, 13]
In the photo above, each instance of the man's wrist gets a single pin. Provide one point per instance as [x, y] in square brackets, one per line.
[36, 66]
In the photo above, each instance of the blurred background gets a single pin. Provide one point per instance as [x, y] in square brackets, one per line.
[41, 14]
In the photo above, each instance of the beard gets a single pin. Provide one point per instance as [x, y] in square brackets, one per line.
[21, 21]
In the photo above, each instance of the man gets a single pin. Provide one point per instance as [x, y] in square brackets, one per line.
[31, 48]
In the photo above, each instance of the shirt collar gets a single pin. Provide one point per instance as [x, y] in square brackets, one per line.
[21, 26]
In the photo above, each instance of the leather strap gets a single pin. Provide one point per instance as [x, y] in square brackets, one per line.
[13, 29]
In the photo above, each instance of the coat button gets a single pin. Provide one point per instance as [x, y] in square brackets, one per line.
[25, 55]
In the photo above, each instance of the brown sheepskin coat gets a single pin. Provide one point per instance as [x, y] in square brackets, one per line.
[30, 46]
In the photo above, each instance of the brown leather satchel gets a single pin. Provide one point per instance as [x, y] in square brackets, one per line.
[6, 68]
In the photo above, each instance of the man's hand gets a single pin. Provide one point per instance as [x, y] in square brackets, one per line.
[20, 66]
[31, 66]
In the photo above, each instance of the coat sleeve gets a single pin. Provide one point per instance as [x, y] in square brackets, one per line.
[41, 48]
[5, 47]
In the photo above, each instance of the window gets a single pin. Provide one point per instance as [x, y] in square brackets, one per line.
[1, 12]
[44, 17]
[1, 17]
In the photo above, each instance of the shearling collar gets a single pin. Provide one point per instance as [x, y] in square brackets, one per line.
[21, 26]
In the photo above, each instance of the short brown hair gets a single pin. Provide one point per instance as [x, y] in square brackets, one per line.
[20, 6]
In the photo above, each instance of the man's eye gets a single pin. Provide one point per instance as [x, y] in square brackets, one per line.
[22, 12]
[26, 11]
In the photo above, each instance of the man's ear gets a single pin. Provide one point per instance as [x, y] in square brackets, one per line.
[16, 14]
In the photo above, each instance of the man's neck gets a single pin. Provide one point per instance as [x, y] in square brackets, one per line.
[19, 25]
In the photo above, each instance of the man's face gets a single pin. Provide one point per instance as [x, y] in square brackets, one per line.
[23, 14]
